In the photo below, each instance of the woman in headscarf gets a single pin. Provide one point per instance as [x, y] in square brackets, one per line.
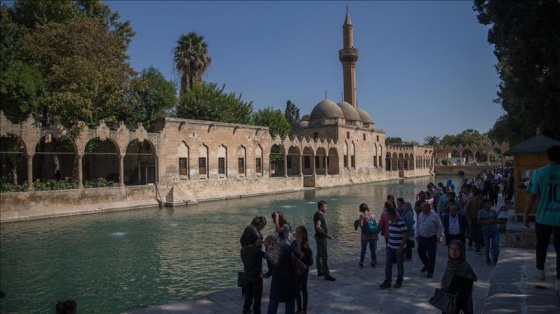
[459, 278]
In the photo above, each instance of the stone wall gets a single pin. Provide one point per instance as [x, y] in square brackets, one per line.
[17, 206]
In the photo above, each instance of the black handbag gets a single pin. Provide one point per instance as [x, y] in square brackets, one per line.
[241, 279]
[444, 301]
[299, 266]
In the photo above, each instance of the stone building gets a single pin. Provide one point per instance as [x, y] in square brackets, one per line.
[184, 161]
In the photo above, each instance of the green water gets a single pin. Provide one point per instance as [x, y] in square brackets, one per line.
[124, 261]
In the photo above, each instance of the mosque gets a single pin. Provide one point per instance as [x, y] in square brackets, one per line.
[184, 161]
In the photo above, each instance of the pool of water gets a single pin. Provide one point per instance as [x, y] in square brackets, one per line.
[123, 261]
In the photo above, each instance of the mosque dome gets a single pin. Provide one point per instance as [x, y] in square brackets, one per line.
[350, 113]
[364, 116]
[303, 124]
[326, 109]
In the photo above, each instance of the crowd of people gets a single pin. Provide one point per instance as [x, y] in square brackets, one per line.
[464, 218]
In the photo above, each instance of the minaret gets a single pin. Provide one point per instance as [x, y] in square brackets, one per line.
[348, 55]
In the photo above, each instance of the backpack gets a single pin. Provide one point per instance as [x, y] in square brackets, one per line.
[371, 227]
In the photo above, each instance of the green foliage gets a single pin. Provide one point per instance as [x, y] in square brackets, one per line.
[9, 187]
[291, 113]
[393, 140]
[191, 59]
[274, 119]
[64, 61]
[21, 90]
[467, 137]
[431, 140]
[99, 183]
[206, 101]
[86, 79]
[526, 41]
[151, 96]
[50, 185]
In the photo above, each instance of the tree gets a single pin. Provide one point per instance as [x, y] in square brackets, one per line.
[291, 113]
[274, 119]
[191, 59]
[21, 84]
[152, 96]
[85, 75]
[467, 137]
[393, 140]
[206, 101]
[526, 41]
[30, 13]
[431, 140]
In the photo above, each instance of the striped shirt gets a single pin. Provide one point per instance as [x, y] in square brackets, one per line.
[396, 231]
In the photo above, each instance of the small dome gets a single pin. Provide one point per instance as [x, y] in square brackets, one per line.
[326, 109]
[303, 124]
[350, 113]
[364, 115]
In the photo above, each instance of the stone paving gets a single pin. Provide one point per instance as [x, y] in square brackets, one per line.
[509, 287]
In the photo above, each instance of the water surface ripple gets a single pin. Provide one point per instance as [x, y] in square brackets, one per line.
[122, 261]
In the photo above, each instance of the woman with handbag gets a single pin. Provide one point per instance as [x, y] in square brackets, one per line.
[459, 278]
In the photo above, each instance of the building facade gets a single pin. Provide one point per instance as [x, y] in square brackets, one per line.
[183, 161]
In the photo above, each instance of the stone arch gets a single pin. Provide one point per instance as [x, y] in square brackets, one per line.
[375, 154]
[222, 161]
[55, 157]
[333, 161]
[184, 160]
[293, 161]
[352, 154]
[13, 160]
[321, 161]
[259, 159]
[277, 159]
[468, 156]
[140, 162]
[241, 154]
[388, 162]
[203, 161]
[345, 152]
[308, 158]
[101, 160]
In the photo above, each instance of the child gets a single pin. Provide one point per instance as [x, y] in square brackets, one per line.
[252, 264]
[302, 246]
[459, 277]
[488, 218]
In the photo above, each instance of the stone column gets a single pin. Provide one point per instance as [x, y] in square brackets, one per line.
[313, 165]
[121, 170]
[30, 173]
[285, 165]
[301, 165]
[326, 166]
[80, 172]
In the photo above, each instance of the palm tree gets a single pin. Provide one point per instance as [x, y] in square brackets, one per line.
[431, 140]
[191, 59]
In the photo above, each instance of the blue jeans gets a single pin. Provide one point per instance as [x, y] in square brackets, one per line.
[494, 237]
[372, 248]
[273, 306]
[394, 256]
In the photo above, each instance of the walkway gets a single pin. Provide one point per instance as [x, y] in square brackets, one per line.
[509, 287]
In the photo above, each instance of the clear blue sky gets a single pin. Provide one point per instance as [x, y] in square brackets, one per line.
[425, 68]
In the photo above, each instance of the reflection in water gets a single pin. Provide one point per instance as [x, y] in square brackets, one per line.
[122, 261]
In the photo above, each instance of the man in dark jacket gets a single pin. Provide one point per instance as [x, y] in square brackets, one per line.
[454, 225]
